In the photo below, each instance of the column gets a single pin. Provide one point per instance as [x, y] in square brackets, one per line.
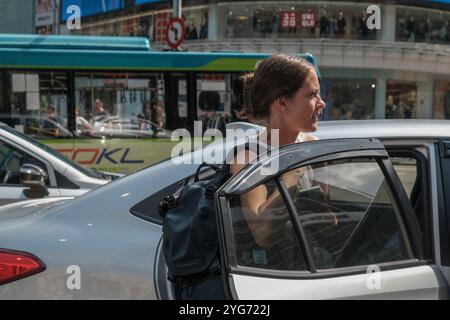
[213, 21]
[380, 97]
[388, 18]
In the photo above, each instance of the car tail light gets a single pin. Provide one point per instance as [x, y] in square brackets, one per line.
[16, 265]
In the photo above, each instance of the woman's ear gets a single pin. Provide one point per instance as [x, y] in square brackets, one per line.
[279, 105]
[283, 105]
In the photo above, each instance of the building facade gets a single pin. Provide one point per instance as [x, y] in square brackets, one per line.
[401, 70]
[16, 16]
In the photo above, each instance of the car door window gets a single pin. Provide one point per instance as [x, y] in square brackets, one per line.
[11, 159]
[348, 213]
[342, 214]
[406, 169]
[147, 209]
[279, 247]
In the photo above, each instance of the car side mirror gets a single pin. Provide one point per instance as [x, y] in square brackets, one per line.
[34, 178]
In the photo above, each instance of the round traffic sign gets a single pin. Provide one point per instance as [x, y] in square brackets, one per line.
[175, 32]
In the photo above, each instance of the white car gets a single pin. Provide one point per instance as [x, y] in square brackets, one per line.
[387, 211]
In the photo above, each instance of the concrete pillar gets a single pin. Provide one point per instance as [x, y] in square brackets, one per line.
[380, 97]
[388, 17]
[213, 21]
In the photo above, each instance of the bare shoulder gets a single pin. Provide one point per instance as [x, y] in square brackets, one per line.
[310, 137]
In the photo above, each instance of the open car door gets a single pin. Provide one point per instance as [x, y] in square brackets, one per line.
[344, 229]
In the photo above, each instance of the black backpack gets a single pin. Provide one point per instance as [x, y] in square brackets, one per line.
[190, 236]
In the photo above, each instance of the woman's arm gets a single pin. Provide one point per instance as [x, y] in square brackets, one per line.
[255, 204]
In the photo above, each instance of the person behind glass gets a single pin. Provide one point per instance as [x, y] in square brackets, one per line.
[341, 25]
[83, 126]
[155, 114]
[193, 35]
[283, 94]
[443, 33]
[100, 112]
[363, 29]
[411, 29]
[141, 121]
[427, 30]
[324, 25]
[50, 125]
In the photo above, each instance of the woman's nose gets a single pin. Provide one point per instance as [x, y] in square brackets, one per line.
[321, 103]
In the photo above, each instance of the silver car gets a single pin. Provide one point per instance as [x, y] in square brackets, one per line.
[382, 232]
[29, 169]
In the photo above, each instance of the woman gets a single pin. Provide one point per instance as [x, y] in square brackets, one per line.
[281, 94]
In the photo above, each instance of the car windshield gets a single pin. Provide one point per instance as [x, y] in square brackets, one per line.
[53, 152]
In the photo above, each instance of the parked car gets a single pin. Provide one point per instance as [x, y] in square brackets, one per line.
[38, 127]
[124, 127]
[378, 228]
[30, 169]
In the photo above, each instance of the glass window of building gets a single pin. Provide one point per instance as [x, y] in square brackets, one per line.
[196, 23]
[289, 19]
[441, 100]
[422, 25]
[348, 99]
[401, 100]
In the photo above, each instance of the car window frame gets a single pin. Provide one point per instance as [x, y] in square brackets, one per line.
[407, 214]
[424, 164]
[443, 187]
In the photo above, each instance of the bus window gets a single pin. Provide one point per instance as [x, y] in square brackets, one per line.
[39, 104]
[215, 99]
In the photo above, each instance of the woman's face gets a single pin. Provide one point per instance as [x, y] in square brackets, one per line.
[302, 110]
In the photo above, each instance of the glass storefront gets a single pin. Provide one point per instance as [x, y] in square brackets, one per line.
[422, 25]
[310, 19]
[348, 99]
[401, 100]
[196, 22]
[441, 100]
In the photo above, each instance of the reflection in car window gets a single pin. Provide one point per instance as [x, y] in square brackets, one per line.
[285, 253]
[147, 209]
[11, 159]
[348, 214]
[406, 169]
[50, 151]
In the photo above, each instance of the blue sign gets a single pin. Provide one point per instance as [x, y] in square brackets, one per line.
[90, 7]
[147, 1]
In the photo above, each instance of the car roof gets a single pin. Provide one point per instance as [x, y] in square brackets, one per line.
[391, 128]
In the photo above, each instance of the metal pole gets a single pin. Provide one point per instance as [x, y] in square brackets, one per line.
[55, 8]
[177, 5]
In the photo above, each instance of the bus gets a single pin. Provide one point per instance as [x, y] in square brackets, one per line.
[110, 103]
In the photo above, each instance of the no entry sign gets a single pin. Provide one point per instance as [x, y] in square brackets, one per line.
[175, 32]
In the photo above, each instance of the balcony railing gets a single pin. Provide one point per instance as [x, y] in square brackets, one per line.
[404, 56]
